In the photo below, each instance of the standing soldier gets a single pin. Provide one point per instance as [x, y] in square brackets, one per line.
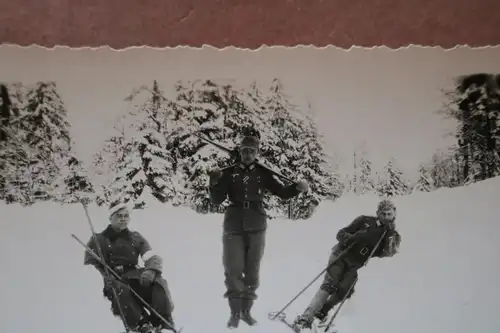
[244, 226]
[360, 237]
[121, 249]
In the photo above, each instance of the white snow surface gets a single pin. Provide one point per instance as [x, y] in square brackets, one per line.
[445, 278]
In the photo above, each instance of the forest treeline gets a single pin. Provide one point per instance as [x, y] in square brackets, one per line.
[152, 153]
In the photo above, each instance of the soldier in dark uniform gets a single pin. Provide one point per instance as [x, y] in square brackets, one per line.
[245, 223]
[363, 234]
[121, 248]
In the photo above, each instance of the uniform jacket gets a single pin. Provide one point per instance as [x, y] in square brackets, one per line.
[121, 251]
[363, 246]
[245, 188]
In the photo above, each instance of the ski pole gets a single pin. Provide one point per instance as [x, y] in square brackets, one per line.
[330, 322]
[106, 268]
[150, 308]
[341, 254]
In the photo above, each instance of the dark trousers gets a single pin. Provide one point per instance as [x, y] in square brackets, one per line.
[133, 309]
[339, 277]
[241, 257]
[338, 280]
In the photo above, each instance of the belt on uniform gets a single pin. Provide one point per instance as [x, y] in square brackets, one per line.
[246, 204]
[120, 269]
[364, 251]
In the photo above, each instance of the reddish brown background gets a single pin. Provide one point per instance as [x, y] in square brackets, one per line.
[250, 23]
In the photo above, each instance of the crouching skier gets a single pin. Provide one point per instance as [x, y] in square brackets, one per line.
[121, 249]
[244, 226]
[361, 235]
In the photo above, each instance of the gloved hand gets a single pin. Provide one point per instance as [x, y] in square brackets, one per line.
[109, 281]
[391, 226]
[302, 186]
[215, 175]
[147, 277]
[348, 241]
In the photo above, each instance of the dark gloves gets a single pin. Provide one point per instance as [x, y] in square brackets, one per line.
[109, 281]
[215, 175]
[147, 277]
[391, 227]
[302, 186]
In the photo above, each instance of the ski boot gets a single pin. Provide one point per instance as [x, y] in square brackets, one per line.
[321, 316]
[302, 322]
[146, 328]
[235, 307]
[246, 306]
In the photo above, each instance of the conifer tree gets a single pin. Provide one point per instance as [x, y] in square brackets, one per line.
[392, 181]
[73, 184]
[424, 182]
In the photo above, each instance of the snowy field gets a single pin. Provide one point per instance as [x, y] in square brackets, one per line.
[445, 279]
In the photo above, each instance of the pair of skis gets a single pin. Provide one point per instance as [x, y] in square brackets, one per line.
[321, 327]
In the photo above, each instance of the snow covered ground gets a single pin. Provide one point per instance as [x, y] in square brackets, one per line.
[445, 278]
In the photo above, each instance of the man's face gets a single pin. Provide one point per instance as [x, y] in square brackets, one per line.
[120, 219]
[387, 215]
[248, 155]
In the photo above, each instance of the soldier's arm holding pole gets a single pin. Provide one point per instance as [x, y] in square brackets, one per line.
[219, 185]
[284, 191]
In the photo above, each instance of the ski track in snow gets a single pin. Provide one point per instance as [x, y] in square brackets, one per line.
[443, 280]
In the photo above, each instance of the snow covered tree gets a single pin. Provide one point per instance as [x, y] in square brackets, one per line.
[154, 127]
[175, 163]
[475, 105]
[18, 169]
[425, 182]
[11, 98]
[5, 116]
[446, 168]
[221, 112]
[106, 161]
[363, 176]
[73, 184]
[280, 144]
[392, 182]
[129, 181]
[138, 155]
[293, 145]
[316, 167]
[46, 129]
[36, 140]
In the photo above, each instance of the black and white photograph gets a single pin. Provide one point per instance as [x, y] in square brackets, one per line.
[284, 190]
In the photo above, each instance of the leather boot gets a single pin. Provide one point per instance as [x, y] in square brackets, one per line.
[246, 306]
[305, 320]
[322, 314]
[235, 307]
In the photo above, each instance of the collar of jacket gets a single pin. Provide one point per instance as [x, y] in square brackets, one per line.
[112, 234]
[246, 168]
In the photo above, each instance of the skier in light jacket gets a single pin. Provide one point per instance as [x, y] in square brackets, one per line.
[121, 249]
